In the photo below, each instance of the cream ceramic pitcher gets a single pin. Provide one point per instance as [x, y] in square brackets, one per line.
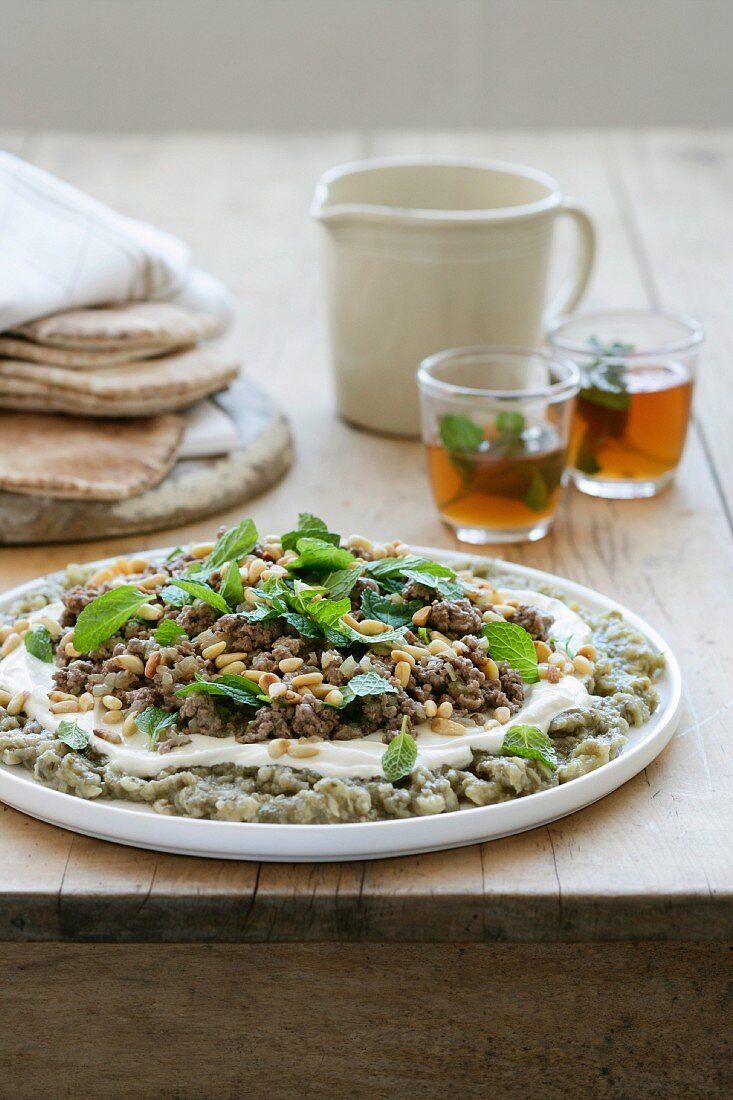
[422, 254]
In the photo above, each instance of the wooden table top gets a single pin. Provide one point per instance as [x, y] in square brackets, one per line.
[650, 861]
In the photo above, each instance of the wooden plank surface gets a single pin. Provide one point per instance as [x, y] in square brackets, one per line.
[378, 1021]
[651, 861]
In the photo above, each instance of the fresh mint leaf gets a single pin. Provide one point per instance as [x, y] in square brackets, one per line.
[326, 613]
[530, 743]
[400, 755]
[318, 556]
[309, 526]
[202, 592]
[444, 586]
[459, 433]
[233, 545]
[369, 683]
[168, 632]
[350, 635]
[340, 583]
[387, 568]
[537, 495]
[510, 422]
[174, 553]
[231, 588]
[174, 597]
[302, 624]
[70, 732]
[103, 617]
[153, 721]
[379, 607]
[424, 634]
[39, 643]
[237, 688]
[511, 642]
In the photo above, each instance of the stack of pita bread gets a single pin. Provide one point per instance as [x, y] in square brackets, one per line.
[139, 360]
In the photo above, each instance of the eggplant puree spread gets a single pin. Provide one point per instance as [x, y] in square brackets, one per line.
[274, 679]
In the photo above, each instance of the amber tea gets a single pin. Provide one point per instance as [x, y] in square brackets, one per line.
[507, 477]
[631, 421]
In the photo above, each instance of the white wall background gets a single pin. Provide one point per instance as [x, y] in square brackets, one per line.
[220, 64]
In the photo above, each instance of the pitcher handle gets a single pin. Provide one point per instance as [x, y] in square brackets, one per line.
[573, 288]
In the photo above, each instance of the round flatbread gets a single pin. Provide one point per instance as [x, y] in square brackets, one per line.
[131, 325]
[76, 358]
[74, 458]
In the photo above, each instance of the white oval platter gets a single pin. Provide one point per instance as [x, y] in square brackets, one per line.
[128, 823]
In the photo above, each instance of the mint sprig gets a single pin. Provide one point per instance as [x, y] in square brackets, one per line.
[231, 588]
[379, 607]
[237, 688]
[460, 433]
[168, 632]
[529, 743]
[71, 733]
[309, 526]
[400, 755]
[315, 555]
[233, 545]
[153, 721]
[511, 642]
[39, 643]
[103, 617]
[203, 592]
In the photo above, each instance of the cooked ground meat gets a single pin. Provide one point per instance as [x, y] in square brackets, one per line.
[74, 601]
[358, 590]
[206, 714]
[308, 719]
[283, 648]
[196, 617]
[413, 590]
[455, 618]
[533, 621]
[449, 677]
[507, 691]
[244, 637]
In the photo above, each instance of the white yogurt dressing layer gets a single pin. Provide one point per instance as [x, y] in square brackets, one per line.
[359, 759]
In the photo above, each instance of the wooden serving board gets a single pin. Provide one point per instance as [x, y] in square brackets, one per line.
[194, 488]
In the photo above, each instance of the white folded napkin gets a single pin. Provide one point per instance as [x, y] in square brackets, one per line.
[61, 249]
[209, 432]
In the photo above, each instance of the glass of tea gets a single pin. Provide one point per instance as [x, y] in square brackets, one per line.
[637, 372]
[496, 423]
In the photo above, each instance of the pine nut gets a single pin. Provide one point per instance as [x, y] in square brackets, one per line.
[542, 650]
[543, 671]
[513, 602]
[502, 715]
[445, 709]
[71, 651]
[319, 690]
[421, 617]
[17, 702]
[491, 617]
[68, 637]
[557, 659]
[350, 621]
[53, 628]
[56, 696]
[372, 628]
[201, 549]
[298, 749]
[505, 610]
[306, 678]
[213, 651]
[66, 706]
[431, 708]
[415, 651]
[129, 726]
[334, 698]
[588, 651]
[250, 597]
[290, 664]
[568, 668]
[111, 702]
[402, 672]
[21, 624]
[447, 728]
[436, 647]
[11, 642]
[225, 659]
[582, 665]
[155, 580]
[278, 689]
[151, 612]
[236, 668]
[398, 655]
[358, 542]
[254, 674]
[5, 697]
[86, 701]
[278, 747]
[131, 663]
[151, 665]
[256, 570]
[138, 565]
[490, 669]
[5, 631]
[109, 735]
[266, 680]
[113, 717]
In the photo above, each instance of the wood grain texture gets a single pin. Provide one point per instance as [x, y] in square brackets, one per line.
[651, 861]
[378, 1021]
